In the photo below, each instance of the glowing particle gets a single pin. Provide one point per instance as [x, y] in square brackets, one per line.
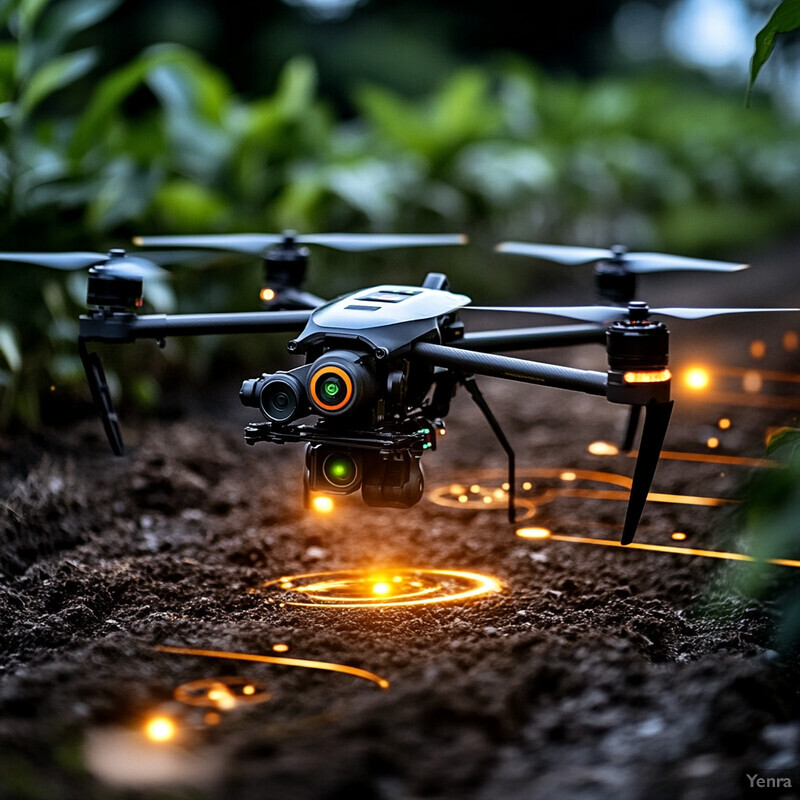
[791, 341]
[397, 579]
[505, 486]
[381, 588]
[752, 382]
[456, 489]
[712, 442]
[322, 504]
[487, 499]
[249, 689]
[601, 448]
[724, 424]
[474, 488]
[679, 536]
[697, 378]
[267, 294]
[160, 729]
[757, 348]
[568, 476]
[498, 494]
[527, 486]
[534, 533]
[222, 694]
[463, 499]
[442, 431]
[281, 648]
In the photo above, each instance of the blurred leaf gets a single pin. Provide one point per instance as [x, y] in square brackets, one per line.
[184, 206]
[107, 99]
[785, 18]
[55, 75]
[9, 347]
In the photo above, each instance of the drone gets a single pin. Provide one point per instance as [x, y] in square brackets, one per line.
[383, 363]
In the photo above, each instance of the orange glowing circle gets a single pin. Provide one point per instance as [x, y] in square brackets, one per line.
[348, 384]
[160, 729]
[474, 488]
[679, 536]
[791, 341]
[222, 694]
[534, 533]
[356, 588]
[323, 504]
[697, 378]
[712, 442]
[757, 349]
[267, 294]
[527, 486]
[601, 448]
[724, 424]
[281, 648]
[568, 476]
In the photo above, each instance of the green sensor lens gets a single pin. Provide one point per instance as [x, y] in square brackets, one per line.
[340, 470]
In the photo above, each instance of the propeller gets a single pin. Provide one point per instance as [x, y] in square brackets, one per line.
[636, 310]
[630, 262]
[258, 243]
[114, 263]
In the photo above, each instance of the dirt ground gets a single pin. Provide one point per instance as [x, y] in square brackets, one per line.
[593, 672]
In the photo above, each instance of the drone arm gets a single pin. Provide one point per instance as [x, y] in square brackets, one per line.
[515, 369]
[531, 338]
[129, 327]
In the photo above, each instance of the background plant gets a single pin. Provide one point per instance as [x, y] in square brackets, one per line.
[164, 143]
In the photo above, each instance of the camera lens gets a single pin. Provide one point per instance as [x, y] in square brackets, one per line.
[340, 470]
[280, 399]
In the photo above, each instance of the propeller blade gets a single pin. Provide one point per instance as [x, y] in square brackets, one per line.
[356, 242]
[101, 395]
[609, 313]
[561, 254]
[65, 261]
[252, 243]
[658, 262]
[134, 267]
[700, 313]
[257, 243]
[585, 313]
[633, 262]
[656, 422]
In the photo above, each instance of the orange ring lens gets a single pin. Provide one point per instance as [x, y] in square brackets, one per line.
[312, 388]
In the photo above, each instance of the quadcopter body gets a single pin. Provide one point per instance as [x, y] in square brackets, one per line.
[382, 364]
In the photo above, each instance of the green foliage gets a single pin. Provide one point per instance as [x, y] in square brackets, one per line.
[165, 144]
[784, 19]
[769, 519]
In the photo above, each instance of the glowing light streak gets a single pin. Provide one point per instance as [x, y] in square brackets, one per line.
[712, 458]
[534, 533]
[279, 660]
[160, 729]
[666, 548]
[356, 588]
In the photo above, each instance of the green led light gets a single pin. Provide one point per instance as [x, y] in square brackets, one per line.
[330, 388]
